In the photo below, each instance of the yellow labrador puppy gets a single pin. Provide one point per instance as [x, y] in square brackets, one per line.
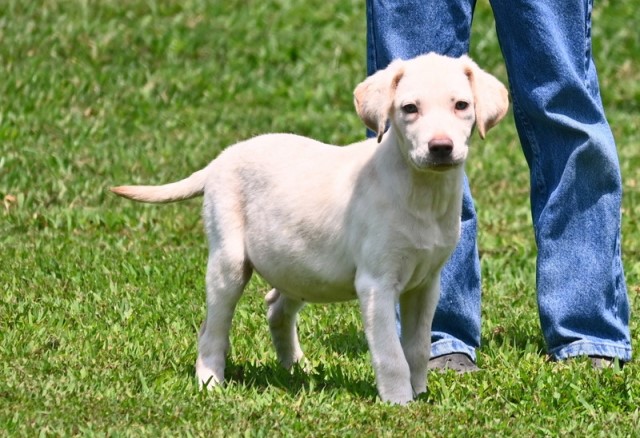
[373, 221]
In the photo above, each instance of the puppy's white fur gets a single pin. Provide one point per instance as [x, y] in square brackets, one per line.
[323, 223]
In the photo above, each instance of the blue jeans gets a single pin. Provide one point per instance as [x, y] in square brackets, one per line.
[574, 170]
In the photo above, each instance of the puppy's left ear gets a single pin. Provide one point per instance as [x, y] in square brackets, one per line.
[490, 95]
[373, 97]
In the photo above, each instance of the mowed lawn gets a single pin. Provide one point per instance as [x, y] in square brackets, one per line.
[102, 298]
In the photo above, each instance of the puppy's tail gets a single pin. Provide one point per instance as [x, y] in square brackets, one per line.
[187, 188]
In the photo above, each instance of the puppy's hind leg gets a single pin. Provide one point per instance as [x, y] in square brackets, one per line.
[281, 314]
[226, 279]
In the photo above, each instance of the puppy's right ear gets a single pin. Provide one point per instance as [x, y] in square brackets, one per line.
[374, 96]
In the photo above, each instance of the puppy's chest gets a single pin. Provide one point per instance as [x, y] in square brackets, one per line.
[423, 251]
[428, 235]
[416, 268]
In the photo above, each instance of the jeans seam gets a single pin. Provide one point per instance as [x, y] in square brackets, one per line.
[620, 285]
[540, 185]
[451, 346]
[587, 42]
[372, 37]
[597, 348]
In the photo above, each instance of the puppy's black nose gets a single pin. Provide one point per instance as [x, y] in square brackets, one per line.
[441, 147]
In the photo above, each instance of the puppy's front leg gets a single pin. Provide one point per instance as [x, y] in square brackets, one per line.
[377, 304]
[417, 308]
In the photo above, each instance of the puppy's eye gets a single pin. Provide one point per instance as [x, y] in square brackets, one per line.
[461, 105]
[409, 108]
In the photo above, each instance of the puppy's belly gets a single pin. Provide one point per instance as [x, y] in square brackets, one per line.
[325, 281]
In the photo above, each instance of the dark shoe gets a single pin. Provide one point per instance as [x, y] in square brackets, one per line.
[458, 362]
[597, 362]
[603, 362]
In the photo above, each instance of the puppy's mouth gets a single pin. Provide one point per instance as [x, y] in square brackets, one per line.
[436, 165]
[443, 166]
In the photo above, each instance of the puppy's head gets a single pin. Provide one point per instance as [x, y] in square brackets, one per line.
[432, 103]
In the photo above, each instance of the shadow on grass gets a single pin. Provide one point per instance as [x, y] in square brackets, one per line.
[349, 341]
[321, 377]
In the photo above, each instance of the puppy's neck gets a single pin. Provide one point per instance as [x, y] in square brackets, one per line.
[438, 192]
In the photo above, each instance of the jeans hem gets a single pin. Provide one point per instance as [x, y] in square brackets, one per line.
[591, 348]
[449, 346]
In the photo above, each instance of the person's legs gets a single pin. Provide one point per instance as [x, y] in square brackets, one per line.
[456, 323]
[405, 29]
[575, 175]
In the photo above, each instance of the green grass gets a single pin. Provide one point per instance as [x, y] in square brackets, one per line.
[102, 298]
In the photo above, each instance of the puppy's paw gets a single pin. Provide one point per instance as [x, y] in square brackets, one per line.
[207, 377]
[288, 357]
[400, 394]
[400, 400]
[419, 388]
[208, 383]
[301, 365]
